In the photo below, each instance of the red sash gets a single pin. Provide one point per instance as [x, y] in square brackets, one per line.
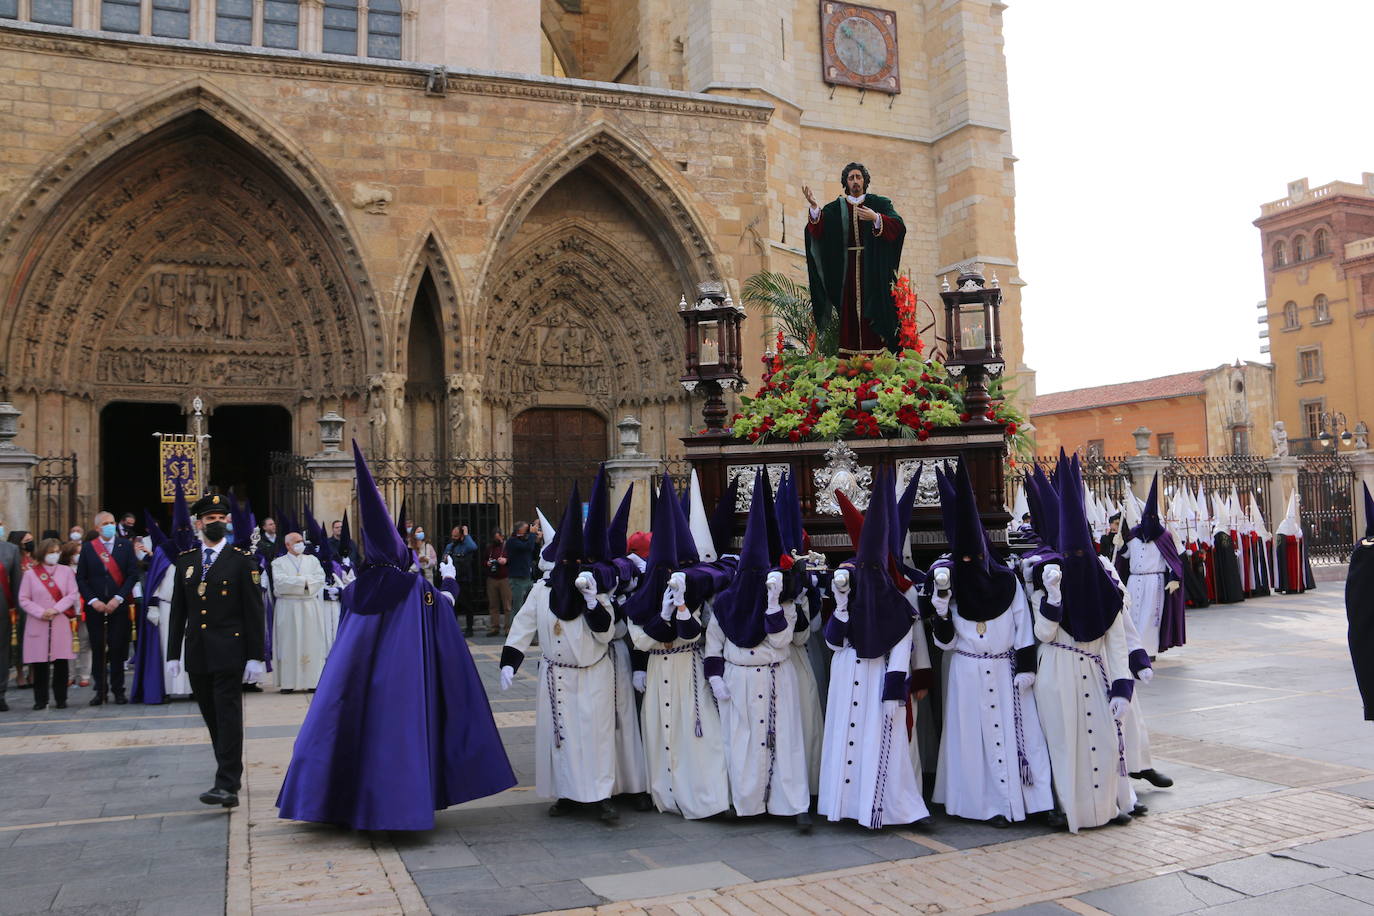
[52, 588]
[111, 566]
[5, 584]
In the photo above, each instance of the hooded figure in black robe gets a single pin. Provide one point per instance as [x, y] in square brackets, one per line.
[1359, 608]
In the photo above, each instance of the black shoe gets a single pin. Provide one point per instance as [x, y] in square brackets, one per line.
[40, 706]
[1154, 778]
[1139, 810]
[1055, 818]
[97, 700]
[608, 812]
[251, 688]
[644, 802]
[561, 808]
[121, 699]
[4, 707]
[999, 821]
[924, 825]
[1121, 820]
[221, 797]
[60, 704]
[804, 822]
[287, 690]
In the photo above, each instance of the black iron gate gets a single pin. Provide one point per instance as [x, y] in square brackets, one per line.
[52, 499]
[1218, 475]
[289, 487]
[1325, 489]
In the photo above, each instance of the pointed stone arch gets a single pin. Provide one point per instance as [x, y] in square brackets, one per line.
[587, 324]
[430, 257]
[643, 183]
[118, 198]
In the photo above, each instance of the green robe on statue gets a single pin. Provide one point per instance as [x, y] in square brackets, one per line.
[851, 269]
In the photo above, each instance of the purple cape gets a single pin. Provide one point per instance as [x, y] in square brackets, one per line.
[400, 726]
[149, 686]
[1171, 620]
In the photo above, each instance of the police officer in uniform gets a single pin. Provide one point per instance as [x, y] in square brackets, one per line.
[217, 607]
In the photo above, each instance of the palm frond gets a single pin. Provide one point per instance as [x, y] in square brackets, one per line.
[789, 302]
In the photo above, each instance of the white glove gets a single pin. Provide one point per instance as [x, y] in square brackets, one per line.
[447, 570]
[641, 680]
[1053, 576]
[451, 599]
[940, 603]
[1025, 680]
[719, 689]
[153, 616]
[1171, 586]
[890, 707]
[1119, 706]
[841, 588]
[507, 676]
[773, 588]
[678, 583]
[254, 671]
[669, 605]
[586, 585]
[1146, 675]
[138, 590]
[942, 579]
[174, 668]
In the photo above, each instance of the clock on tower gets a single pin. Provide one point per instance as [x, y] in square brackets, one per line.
[859, 47]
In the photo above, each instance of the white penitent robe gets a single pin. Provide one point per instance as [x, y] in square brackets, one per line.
[1146, 590]
[920, 662]
[332, 608]
[809, 695]
[1133, 730]
[300, 636]
[179, 686]
[866, 772]
[631, 770]
[765, 744]
[574, 725]
[681, 725]
[1084, 739]
[989, 725]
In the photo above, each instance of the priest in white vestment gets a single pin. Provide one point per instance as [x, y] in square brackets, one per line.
[994, 764]
[301, 635]
[574, 736]
[866, 772]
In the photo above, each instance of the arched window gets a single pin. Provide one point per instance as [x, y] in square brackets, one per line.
[1299, 248]
[1320, 246]
[1280, 254]
[1321, 310]
[1290, 314]
[384, 29]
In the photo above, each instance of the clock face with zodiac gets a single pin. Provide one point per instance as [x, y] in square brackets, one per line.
[859, 47]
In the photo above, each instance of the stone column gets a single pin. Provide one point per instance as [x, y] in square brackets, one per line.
[631, 466]
[1283, 480]
[331, 473]
[1142, 466]
[16, 472]
[1362, 462]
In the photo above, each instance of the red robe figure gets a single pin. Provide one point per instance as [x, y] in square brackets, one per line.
[853, 247]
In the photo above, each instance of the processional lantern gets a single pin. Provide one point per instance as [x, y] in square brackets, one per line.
[973, 328]
[714, 359]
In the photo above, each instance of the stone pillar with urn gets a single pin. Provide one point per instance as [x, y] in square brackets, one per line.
[1142, 466]
[331, 471]
[632, 466]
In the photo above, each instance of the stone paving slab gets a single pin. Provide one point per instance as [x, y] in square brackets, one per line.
[672, 880]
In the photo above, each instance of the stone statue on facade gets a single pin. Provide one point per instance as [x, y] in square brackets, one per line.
[1280, 437]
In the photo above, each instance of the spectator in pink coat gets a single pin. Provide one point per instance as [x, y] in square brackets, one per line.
[48, 594]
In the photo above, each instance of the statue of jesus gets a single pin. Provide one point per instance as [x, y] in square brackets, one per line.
[853, 246]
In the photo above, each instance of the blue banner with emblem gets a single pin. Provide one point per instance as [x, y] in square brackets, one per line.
[179, 461]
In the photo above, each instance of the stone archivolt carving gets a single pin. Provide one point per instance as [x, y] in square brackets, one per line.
[189, 266]
[574, 315]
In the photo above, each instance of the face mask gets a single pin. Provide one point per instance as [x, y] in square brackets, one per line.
[107, 531]
[408, 529]
[2, 531]
[27, 547]
[52, 558]
[74, 536]
[419, 535]
[298, 548]
[215, 531]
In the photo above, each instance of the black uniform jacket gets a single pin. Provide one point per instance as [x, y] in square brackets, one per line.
[220, 617]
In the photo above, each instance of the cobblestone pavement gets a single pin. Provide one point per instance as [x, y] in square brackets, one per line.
[1256, 719]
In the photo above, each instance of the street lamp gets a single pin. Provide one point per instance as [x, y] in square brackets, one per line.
[973, 326]
[1330, 422]
[714, 361]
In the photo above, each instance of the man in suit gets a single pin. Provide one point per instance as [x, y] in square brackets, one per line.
[9, 588]
[217, 607]
[106, 571]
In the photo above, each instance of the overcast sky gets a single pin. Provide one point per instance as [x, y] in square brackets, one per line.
[1148, 135]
